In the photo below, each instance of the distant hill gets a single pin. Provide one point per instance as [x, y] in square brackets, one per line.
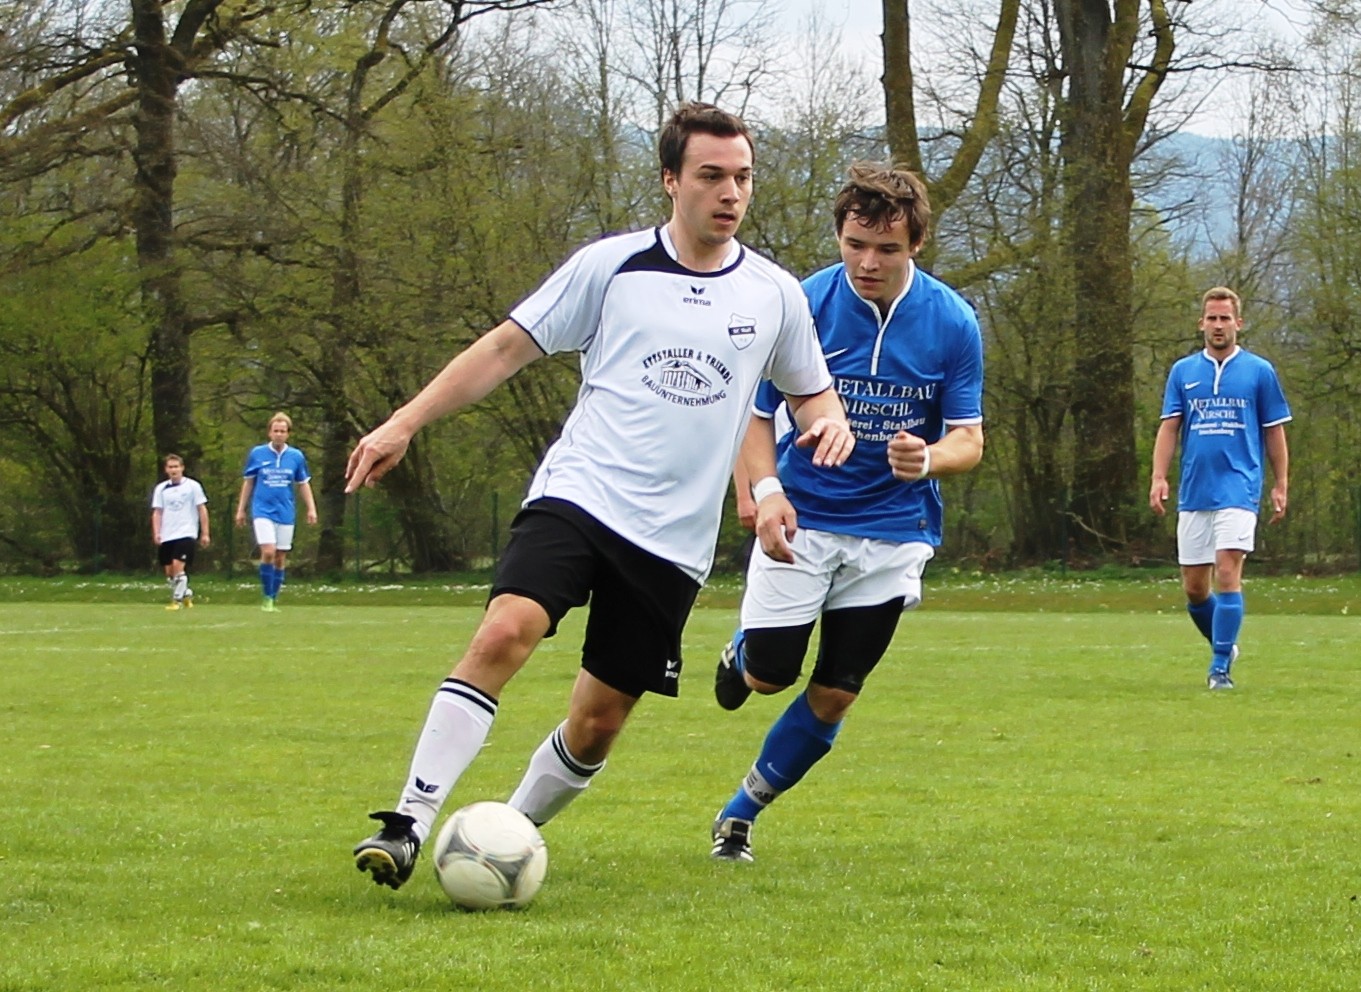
[1191, 181]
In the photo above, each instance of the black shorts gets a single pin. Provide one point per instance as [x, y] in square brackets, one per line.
[853, 641]
[560, 556]
[180, 549]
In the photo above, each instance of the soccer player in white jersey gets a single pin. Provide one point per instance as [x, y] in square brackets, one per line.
[676, 326]
[1227, 408]
[179, 518]
[848, 548]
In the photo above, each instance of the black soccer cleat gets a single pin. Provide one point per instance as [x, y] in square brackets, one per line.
[732, 840]
[730, 684]
[390, 854]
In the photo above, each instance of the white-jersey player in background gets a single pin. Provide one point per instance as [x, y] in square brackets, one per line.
[676, 326]
[179, 520]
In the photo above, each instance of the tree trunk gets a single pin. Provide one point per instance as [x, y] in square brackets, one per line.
[157, 69]
[1098, 150]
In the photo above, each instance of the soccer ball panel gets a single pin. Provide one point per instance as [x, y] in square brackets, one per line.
[489, 855]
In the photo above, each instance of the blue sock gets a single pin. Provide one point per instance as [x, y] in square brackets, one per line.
[1202, 615]
[267, 578]
[1228, 622]
[795, 743]
[278, 580]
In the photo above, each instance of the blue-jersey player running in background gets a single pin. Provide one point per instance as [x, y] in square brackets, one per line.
[1226, 407]
[272, 470]
[849, 547]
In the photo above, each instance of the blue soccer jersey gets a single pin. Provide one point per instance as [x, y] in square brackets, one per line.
[920, 370]
[1225, 408]
[275, 474]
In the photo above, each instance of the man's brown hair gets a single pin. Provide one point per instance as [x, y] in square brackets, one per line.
[878, 194]
[697, 118]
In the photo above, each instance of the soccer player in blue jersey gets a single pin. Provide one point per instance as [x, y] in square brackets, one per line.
[1226, 407]
[676, 326]
[848, 548]
[272, 471]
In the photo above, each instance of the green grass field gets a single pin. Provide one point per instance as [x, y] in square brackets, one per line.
[1036, 793]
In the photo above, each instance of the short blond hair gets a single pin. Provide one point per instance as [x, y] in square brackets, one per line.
[288, 421]
[1222, 293]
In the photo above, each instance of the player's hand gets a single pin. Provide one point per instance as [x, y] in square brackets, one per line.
[1279, 502]
[1157, 497]
[375, 455]
[240, 518]
[156, 540]
[204, 541]
[312, 516]
[833, 438]
[776, 522]
[746, 511]
[907, 456]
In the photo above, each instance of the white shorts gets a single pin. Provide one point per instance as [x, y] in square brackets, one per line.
[1200, 533]
[278, 535]
[831, 572]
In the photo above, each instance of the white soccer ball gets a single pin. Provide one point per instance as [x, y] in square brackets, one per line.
[490, 856]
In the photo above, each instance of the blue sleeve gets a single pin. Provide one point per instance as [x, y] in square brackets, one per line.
[252, 468]
[1271, 398]
[1173, 395]
[300, 473]
[962, 398]
[768, 398]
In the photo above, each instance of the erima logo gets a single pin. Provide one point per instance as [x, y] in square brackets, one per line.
[1193, 385]
[673, 669]
[695, 300]
[422, 787]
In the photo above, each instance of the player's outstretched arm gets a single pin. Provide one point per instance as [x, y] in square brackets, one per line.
[471, 375]
[822, 420]
[1163, 447]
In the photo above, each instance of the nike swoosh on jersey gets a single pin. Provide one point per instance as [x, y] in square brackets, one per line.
[833, 354]
[1193, 385]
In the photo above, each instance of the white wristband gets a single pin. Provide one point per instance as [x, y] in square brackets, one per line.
[768, 486]
[926, 465]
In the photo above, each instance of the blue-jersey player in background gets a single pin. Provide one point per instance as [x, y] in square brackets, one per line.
[1226, 407]
[271, 472]
[849, 547]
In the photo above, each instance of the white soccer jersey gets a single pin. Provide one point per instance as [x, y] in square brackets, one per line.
[670, 362]
[179, 508]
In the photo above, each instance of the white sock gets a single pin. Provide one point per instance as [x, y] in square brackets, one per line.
[553, 779]
[181, 586]
[455, 728]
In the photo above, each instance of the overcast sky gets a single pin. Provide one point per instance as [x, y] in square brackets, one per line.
[861, 23]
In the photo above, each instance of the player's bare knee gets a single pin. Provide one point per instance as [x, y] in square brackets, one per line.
[765, 688]
[502, 637]
[830, 704]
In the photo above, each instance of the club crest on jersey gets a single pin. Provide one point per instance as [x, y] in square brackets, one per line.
[741, 330]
